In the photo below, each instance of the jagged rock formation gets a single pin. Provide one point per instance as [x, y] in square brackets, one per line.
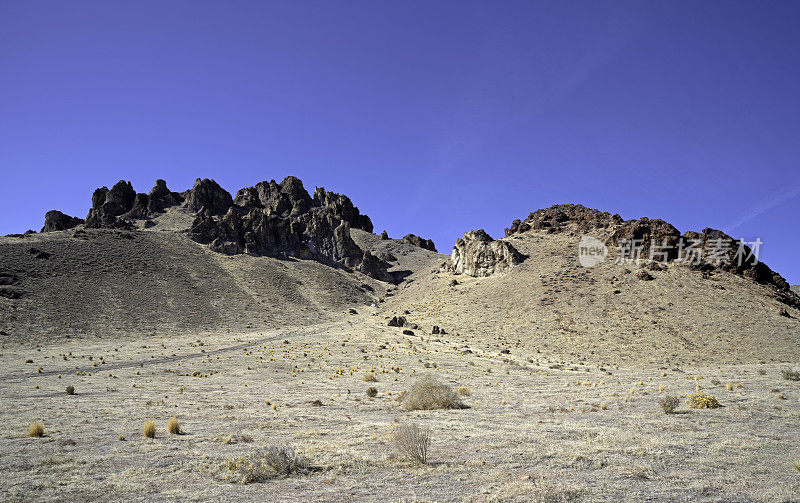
[208, 195]
[657, 240]
[269, 219]
[160, 198]
[415, 240]
[477, 254]
[282, 219]
[54, 220]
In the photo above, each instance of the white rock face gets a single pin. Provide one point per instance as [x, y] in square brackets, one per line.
[478, 255]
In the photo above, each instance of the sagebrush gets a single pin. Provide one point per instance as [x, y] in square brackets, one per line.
[428, 394]
[266, 464]
[412, 443]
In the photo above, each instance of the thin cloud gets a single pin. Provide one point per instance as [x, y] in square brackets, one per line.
[767, 203]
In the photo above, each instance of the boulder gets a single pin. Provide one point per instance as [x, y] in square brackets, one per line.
[478, 255]
[384, 235]
[415, 240]
[54, 220]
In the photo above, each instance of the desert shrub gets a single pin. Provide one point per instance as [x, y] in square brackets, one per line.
[427, 394]
[464, 391]
[149, 429]
[70, 390]
[370, 377]
[412, 443]
[702, 400]
[762, 372]
[372, 392]
[797, 465]
[790, 375]
[729, 386]
[36, 429]
[173, 426]
[266, 464]
[669, 404]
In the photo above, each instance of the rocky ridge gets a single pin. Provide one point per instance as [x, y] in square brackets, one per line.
[657, 242]
[268, 219]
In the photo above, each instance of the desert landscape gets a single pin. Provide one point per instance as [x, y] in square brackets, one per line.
[274, 346]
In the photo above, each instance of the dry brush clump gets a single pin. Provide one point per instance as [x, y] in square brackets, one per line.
[702, 400]
[669, 404]
[372, 392]
[412, 443]
[174, 426]
[36, 429]
[428, 394]
[149, 429]
[266, 464]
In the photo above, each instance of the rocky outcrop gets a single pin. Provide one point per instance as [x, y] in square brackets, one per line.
[282, 219]
[160, 198]
[207, 194]
[107, 205]
[477, 254]
[54, 220]
[556, 218]
[415, 240]
[655, 240]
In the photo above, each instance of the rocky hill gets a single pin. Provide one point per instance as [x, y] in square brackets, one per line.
[276, 256]
[199, 260]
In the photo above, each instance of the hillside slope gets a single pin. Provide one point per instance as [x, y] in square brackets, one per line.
[551, 305]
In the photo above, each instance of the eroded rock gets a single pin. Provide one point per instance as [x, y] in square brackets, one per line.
[477, 254]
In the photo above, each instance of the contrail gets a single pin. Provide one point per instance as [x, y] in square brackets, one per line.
[770, 201]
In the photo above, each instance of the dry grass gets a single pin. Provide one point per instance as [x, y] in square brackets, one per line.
[370, 377]
[173, 426]
[266, 464]
[372, 392]
[149, 429]
[412, 443]
[428, 394]
[702, 400]
[36, 429]
[70, 390]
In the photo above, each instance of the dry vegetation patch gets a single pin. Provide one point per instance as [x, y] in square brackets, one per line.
[428, 394]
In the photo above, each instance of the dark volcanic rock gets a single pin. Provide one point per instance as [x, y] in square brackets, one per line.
[384, 235]
[160, 198]
[281, 219]
[107, 205]
[208, 194]
[415, 240]
[54, 220]
[554, 218]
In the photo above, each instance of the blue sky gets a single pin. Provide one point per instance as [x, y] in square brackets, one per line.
[434, 117]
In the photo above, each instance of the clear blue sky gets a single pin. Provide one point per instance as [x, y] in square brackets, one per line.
[434, 117]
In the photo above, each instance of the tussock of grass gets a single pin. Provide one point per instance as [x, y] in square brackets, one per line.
[372, 392]
[702, 400]
[70, 390]
[149, 429]
[428, 394]
[370, 377]
[266, 464]
[173, 426]
[412, 443]
[36, 429]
